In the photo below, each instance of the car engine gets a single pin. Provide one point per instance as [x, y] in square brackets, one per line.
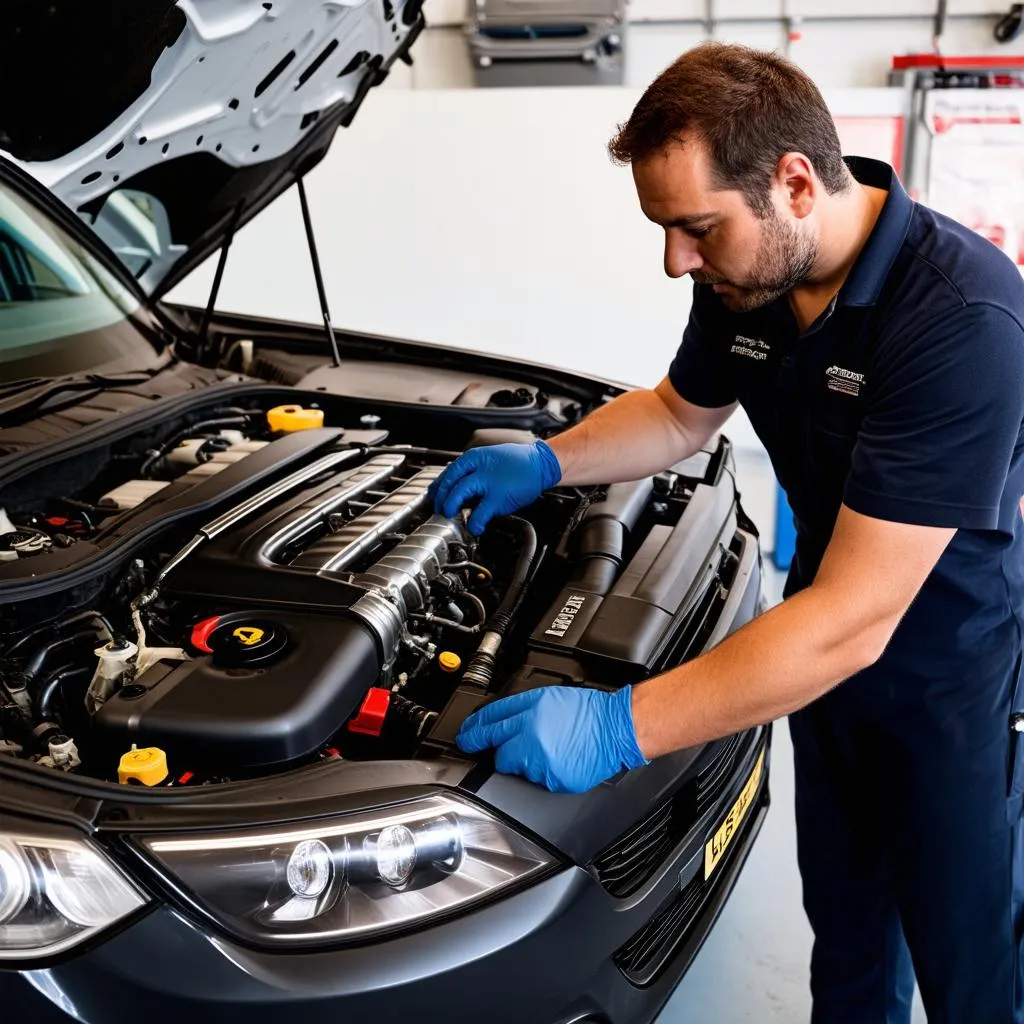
[260, 591]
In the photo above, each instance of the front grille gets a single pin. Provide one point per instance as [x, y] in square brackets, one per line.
[649, 951]
[639, 958]
[634, 857]
[717, 770]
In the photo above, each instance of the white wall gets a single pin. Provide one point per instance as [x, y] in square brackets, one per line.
[486, 219]
[843, 43]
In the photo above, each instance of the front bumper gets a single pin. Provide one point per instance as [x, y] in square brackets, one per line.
[552, 954]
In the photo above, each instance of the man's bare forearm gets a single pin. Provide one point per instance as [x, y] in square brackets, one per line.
[771, 667]
[631, 437]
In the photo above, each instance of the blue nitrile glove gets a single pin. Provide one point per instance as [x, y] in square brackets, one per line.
[566, 738]
[505, 477]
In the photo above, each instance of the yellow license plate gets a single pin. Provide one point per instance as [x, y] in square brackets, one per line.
[719, 842]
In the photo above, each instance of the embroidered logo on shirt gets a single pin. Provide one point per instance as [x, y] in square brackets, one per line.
[844, 381]
[752, 348]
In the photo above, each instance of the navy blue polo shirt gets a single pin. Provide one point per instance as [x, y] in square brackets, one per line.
[904, 401]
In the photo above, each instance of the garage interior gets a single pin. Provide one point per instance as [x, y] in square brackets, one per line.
[472, 204]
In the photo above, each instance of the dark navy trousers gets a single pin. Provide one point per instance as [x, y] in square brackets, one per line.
[908, 806]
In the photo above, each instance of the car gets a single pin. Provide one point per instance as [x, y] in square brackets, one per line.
[236, 641]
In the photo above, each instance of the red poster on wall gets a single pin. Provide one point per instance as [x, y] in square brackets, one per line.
[976, 164]
[878, 137]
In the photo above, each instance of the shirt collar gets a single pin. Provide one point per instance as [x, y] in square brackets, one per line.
[864, 283]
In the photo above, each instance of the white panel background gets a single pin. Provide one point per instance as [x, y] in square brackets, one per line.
[484, 219]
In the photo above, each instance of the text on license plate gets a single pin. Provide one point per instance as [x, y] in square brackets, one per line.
[719, 842]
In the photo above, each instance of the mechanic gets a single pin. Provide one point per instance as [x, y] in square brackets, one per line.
[878, 350]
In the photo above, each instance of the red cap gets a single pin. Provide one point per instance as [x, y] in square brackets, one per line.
[201, 633]
[369, 718]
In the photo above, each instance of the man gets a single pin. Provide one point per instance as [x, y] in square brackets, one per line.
[878, 350]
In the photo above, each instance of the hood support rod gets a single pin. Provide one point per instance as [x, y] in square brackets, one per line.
[324, 311]
[204, 326]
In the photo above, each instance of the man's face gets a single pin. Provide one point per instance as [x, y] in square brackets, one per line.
[715, 237]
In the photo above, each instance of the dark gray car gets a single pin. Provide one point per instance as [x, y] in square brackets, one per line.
[236, 643]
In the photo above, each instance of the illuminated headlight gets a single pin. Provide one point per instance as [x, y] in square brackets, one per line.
[352, 876]
[55, 893]
[310, 867]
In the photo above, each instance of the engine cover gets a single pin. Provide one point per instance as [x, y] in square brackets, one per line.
[293, 604]
[276, 686]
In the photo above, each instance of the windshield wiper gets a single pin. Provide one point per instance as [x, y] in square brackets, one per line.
[31, 392]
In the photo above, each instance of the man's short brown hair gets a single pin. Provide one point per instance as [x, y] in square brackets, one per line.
[749, 107]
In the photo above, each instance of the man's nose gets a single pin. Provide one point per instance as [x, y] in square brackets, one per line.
[681, 255]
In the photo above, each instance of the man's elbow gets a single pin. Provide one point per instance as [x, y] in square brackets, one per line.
[864, 646]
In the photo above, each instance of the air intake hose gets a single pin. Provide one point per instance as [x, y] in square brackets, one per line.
[601, 537]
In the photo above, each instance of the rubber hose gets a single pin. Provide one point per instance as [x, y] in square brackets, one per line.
[34, 667]
[481, 666]
[415, 714]
[505, 614]
[47, 693]
[57, 625]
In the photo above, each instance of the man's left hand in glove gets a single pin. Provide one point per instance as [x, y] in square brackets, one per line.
[567, 739]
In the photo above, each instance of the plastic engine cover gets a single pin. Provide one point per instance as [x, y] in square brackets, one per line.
[274, 688]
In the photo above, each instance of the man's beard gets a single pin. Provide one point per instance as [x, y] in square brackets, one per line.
[783, 262]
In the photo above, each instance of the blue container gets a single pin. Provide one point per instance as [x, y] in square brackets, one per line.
[785, 531]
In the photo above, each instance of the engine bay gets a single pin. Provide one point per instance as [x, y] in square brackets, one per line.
[259, 585]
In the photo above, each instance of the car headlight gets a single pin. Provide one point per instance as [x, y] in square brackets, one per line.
[55, 893]
[352, 876]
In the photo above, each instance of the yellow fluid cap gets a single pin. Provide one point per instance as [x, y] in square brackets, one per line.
[289, 418]
[449, 661]
[147, 766]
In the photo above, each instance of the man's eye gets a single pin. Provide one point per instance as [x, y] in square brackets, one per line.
[698, 232]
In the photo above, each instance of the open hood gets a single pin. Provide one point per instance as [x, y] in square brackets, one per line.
[166, 125]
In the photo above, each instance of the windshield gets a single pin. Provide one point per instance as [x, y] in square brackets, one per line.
[61, 310]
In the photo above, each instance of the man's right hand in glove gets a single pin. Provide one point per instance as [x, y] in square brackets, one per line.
[505, 477]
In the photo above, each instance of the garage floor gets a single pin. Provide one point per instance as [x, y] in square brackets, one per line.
[754, 966]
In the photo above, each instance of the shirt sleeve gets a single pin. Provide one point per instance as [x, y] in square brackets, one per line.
[935, 445]
[700, 373]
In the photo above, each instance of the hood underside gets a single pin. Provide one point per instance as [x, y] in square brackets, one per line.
[168, 125]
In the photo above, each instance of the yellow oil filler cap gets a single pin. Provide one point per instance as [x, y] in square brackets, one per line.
[449, 661]
[146, 766]
[289, 418]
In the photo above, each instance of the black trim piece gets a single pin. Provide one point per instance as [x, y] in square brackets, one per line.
[690, 914]
[635, 857]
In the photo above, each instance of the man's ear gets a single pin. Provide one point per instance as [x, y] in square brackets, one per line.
[797, 183]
